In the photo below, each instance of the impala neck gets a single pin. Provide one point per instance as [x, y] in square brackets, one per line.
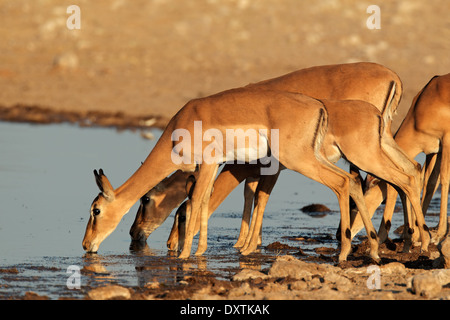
[405, 138]
[153, 170]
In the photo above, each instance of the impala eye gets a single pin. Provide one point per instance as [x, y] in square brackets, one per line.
[145, 200]
[96, 212]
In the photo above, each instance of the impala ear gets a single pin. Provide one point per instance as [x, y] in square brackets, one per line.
[190, 184]
[104, 185]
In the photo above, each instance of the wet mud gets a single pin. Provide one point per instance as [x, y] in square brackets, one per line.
[249, 277]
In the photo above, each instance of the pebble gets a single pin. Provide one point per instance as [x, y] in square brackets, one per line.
[293, 268]
[444, 249]
[109, 292]
[246, 274]
[68, 61]
[425, 285]
[429, 284]
[338, 282]
[393, 267]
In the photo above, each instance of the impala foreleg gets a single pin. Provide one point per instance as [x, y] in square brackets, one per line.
[203, 238]
[199, 209]
[373, 198]
[430, 180]
[386, 222]
[265, 187]
[249, 195]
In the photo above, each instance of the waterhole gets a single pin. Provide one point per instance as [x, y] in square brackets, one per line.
[47, 186]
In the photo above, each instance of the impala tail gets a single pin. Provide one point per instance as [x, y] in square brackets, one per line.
[321, 130]
[390, 107]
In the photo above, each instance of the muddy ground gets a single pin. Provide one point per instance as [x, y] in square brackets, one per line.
[296, 276]
[135, 63]
[292, 275]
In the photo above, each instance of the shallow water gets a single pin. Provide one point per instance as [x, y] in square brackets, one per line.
[47, 186]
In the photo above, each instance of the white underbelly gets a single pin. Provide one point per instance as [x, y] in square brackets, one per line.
[245, 155]
[253, 151]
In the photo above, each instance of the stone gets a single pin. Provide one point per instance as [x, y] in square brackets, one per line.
[68, 60]
[30, 295]
[246, 274]
[152, 285]
[393, 268]
[109, 292]
[443, 276]
[290, 267]
[338, 282]
[298, 285]
[425, 285]
[444, 249]
[315, 208]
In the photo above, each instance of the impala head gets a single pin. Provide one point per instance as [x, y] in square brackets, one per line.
[155, 206]
[150, 215]
[106, 213]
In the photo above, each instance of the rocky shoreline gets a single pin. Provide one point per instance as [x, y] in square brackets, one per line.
[399, 276]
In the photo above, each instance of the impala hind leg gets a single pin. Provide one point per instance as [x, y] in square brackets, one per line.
[410, 229]
[445, 177]
[418, 220]
[357, 195]
[340, 185]
[409, 219]
[339, 182]
[407, 181]
[353, 188]
[354, 171]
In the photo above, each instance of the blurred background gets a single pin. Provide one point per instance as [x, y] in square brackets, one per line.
[149, 57]
[146, 59]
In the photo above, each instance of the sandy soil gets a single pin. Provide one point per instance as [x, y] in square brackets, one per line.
[134, 61]
[146, 59]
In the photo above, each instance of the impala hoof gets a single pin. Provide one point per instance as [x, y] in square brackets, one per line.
[375, 259]
[184, 255]
[198, 253]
